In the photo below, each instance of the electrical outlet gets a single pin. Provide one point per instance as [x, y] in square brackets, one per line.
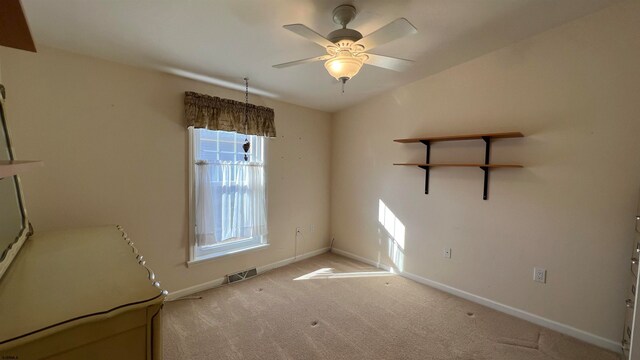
[447, 253]
[540, 275]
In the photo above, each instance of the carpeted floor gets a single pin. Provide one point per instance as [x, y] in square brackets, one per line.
[344, 309]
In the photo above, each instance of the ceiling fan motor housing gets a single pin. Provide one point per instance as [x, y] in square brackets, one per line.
[344, 34]
[343, 15]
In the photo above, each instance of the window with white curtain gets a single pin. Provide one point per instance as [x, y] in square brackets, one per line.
[229, 194]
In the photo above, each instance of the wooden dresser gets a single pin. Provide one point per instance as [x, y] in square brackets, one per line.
[80, 294]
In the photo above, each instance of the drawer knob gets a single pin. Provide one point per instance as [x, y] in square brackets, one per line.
[629, 303]
[634, 260]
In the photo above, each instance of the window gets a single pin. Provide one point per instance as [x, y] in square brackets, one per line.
[229, 194]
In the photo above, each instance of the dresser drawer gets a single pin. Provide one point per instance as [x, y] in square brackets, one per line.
[90, 335]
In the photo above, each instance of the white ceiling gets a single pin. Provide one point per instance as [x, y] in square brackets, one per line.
[221, 41]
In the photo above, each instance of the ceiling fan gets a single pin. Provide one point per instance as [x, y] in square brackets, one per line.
[347, 50]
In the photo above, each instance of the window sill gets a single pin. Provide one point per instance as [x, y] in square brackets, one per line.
[223, 254]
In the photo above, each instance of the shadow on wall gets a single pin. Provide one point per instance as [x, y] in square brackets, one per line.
[392, 232]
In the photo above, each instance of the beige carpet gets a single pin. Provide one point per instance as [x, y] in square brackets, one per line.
[357, 313]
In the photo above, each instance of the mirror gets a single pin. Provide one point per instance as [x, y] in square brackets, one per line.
[13, 224]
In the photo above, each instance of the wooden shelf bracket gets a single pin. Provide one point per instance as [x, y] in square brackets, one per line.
[427, 143]
[487, 151]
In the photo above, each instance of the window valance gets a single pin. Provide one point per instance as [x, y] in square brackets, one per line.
[214, 113]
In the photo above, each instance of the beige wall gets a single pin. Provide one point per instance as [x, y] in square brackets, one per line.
[574, 91]
[115, 151]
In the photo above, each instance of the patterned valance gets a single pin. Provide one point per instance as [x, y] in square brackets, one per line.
[214, 113]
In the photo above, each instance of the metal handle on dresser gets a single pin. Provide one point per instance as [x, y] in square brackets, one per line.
[629, 303]
[634, 260]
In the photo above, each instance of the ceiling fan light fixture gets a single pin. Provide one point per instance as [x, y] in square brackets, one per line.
[346, 47]
[345, 65]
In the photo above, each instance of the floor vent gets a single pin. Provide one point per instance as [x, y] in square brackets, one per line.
[242, 275]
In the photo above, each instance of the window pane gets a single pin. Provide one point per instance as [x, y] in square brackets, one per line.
[228, 147]
[227, 157]
[226, 136]
[206, 134]
[208, 150]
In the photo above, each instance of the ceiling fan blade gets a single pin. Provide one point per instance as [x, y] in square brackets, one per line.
[309, 34]
[392, 31]
[303, 61]
[388, 62]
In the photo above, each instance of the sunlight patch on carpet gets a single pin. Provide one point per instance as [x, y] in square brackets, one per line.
[329, 273]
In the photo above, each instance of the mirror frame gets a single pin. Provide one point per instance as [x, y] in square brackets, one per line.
[7, 255]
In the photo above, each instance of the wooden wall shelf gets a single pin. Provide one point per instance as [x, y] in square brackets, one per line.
[504, 135]
[461, 165]
[484, 166]
[13, 167]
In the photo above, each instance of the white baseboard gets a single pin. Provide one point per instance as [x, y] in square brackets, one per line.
[291, 260]
[173, 295]
[536, 319]
[221, 281]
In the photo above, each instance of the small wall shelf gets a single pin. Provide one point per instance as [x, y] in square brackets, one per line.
[484, 166]
[13, 167]
[461, 165]
[503, 135]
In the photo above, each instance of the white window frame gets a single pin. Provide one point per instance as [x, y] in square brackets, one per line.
[196, 254]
